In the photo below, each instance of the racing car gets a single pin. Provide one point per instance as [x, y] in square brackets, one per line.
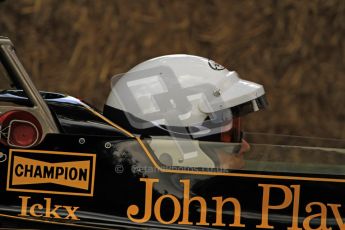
[65, 165]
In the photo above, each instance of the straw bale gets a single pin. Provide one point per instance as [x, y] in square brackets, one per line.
[296, 49]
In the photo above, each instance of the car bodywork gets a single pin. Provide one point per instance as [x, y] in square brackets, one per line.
[82, 170]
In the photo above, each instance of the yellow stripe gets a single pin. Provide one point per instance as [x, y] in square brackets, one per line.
[109, 121]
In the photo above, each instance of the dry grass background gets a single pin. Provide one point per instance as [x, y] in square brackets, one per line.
[295, 48]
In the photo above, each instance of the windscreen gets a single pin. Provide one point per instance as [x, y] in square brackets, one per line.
[266, 153]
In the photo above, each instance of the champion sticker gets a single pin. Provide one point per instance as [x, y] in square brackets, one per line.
[51, 172]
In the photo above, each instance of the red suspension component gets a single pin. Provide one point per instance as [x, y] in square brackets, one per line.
[20, 129]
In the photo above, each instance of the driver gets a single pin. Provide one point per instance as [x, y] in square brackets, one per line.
[191, 108]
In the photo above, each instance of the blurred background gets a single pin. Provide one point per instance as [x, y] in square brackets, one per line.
[296, 49]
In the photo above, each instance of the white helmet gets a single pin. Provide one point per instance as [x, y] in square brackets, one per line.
[181, 95]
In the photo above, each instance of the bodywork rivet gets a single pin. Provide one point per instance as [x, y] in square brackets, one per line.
[82, 141]
[107, 145]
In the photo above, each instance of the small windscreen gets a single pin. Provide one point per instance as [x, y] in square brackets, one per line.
[283, 154]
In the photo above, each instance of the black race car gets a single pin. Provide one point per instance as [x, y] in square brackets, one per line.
[63, 165]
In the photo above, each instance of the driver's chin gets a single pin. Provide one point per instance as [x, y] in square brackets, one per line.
[234, 161]
[245, 147]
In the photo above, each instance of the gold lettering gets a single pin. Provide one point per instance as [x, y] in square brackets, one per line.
[339, 219]
[50, 212]
[266, 203]
[32, 210]
[322, 215]
[186, 203]
[177, 209]
[219, 211]
[134, 209]
[295, 212]
[71, 212]
[24, 205]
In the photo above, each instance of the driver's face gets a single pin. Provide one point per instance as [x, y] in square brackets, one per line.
[233, 161]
